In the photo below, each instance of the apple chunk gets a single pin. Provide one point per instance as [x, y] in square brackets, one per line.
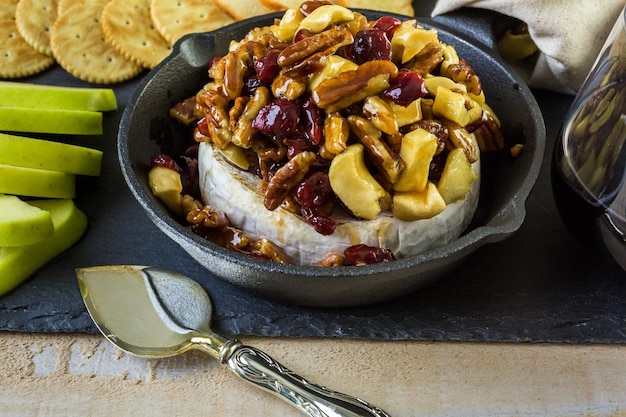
[18, 263]
[36, 182]
[457, 176]
[417, 150]
[410, 206]
[45, 154]
[39, 96]
[33, 120]
[22, 224]
[354, 185]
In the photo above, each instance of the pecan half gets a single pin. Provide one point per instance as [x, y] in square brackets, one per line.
[464, 74]
[386, 160]
[235, 66]
[271, 250]
[215, 107]
[459, 137]
[329, 41]
[349, 87]
[243, 132]
[286, 178]
[427, 59]
[336, 133]
[488, 135]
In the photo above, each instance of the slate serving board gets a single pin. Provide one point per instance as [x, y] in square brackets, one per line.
[540, 285]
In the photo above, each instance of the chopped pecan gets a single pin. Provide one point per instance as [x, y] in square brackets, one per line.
[332, 259]
[459, 137]
[236, 111]
[207, 216]
[256, 50]
[286, 178]
[288, 87]
[329, 41]
[271, 250]
[464, 74]
[516, 150]
[426, 60]
[185, 111]
[488, 135]
[336, 133]
[230, 238]
[386, 160]
[437, 128]
[243, 132]
[216, 113]
[235, 66]
[349, 87]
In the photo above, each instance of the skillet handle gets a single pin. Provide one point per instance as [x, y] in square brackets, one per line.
[258, 368]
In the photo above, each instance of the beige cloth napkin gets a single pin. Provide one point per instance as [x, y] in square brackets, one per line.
[568, 33]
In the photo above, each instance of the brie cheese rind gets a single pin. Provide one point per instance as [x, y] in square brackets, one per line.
[238, 195]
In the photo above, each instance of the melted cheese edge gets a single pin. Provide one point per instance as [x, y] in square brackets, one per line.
[237, 194]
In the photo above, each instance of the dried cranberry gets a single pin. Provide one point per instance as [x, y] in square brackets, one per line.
[405, 88]
[388, 25]
[191, 176]
[250, 85]
[367, 255]
[192, 150]
[322, 225]
[370, 45]
[312, 121]
[297, 145]
[164, 161]
[302, 34]
[307, 7]
[279, 119]
[314, 190]
[266, 67]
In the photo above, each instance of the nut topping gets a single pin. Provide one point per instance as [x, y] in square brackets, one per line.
[350, 87]
[286, 178]
[382, 156]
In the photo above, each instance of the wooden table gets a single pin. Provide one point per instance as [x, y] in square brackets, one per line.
[84, 375]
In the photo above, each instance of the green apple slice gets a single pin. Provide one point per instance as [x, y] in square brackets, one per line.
[18, 263]
[69, 122]
[14, 94]
[22, 224]
[50, 155]
[36, 182]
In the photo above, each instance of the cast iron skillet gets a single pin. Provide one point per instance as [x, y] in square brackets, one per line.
[146, 129]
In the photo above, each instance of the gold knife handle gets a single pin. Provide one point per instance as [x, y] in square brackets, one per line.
[258, 368]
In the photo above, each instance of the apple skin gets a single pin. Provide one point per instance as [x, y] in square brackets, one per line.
[36, 182]
[18, 263]
[22, 224]
[13, 94]
[50, 155]
[67, 122]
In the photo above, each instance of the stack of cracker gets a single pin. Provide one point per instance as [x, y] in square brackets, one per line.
[110, 41]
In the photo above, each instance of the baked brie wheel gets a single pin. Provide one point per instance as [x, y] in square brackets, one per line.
[237, 194]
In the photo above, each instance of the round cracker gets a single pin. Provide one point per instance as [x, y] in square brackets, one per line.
[17, 58]
[80, 47]
[174, 19]
[63, 5]
[243, 9]
[34, 20]
[127, 25]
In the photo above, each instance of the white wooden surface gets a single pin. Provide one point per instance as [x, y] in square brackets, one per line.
[83, 375]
